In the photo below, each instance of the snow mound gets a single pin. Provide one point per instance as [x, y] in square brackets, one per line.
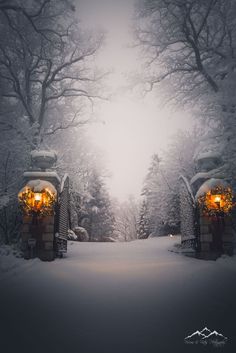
[39, 185]
[207, 155]
[43, 159]
[216, 173]
[71, 235]
[211, 184]
[10, 258]
[37, 175]
[81, 233]
[44, 154]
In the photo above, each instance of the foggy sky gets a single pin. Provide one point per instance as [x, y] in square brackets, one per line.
[134, 126]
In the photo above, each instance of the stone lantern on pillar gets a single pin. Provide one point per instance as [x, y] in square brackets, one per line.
[43, 214]
[206, 208]
[215, 201]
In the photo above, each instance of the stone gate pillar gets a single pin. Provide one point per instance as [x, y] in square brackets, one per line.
[38, 200]
[214, 199]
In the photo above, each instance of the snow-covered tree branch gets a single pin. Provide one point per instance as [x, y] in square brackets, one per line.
[47, 63]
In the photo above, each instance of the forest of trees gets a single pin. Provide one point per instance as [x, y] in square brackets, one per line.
[190, 50]
[189, 47]
[49, 84]
[159, 213]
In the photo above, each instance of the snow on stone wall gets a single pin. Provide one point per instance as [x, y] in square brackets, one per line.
[43, 159]
[39, 185]
[209, 185]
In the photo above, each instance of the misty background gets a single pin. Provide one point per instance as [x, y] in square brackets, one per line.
[127, 93]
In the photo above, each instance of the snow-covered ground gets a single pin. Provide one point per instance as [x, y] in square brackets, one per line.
[115, 297]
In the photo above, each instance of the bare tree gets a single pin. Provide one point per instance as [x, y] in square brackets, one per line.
[126, 216]
[48, 83]
[192, 41]
[46, 61]
[190, 49]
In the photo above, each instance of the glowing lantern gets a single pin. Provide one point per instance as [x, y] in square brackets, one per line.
[215, 197]
[38, 197]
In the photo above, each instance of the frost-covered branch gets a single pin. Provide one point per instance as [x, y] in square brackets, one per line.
[72, 123]
[182, 38]
[39, 70]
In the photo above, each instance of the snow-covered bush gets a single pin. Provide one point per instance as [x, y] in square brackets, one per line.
[81, 233]
[71, 235]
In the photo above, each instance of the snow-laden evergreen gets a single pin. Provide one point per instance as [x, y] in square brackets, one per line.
[99, 219]
[189, 48]
[161, 185]
[143, 230]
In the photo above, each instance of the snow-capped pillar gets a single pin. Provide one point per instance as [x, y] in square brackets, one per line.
[38, 200]
[215, 201]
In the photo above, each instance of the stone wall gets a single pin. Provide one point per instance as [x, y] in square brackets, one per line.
[205, 235]
[42, 230]
[228, 236]
[208, 249]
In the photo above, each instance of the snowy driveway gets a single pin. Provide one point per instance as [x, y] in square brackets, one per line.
[116, 298]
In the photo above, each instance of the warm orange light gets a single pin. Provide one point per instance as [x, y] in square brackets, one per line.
[217, 200]
[37, 197]
[40, 202]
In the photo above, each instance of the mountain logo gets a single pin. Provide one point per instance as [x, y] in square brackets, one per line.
[206, 336]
